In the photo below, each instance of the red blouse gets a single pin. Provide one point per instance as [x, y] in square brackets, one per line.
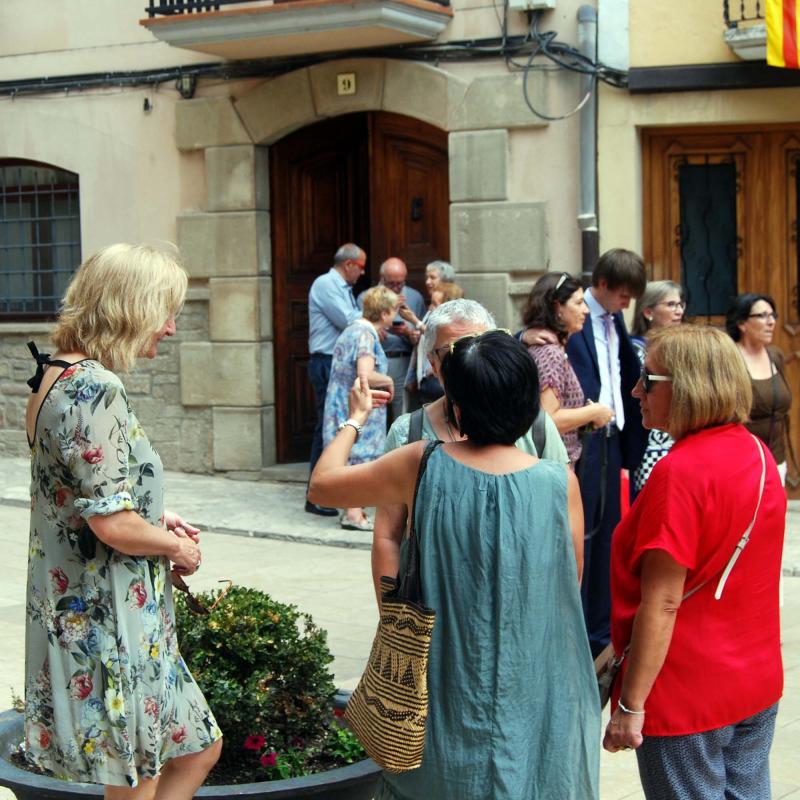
[724, 660]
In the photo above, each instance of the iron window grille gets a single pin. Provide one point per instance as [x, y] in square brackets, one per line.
[40, 237]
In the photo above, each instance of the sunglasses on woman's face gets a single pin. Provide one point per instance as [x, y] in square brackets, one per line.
[192, 603]
[649, 381]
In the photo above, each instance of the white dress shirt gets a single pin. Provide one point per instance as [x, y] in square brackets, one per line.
[606, 342]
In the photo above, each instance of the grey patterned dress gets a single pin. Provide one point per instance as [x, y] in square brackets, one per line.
[108, 698]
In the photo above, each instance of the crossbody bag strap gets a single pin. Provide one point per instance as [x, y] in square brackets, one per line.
[410, 587]
[742, 543]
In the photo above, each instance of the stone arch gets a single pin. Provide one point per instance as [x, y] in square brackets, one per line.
[300, 98]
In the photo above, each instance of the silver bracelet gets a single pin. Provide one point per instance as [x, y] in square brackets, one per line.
[626, 710]
[351, 423]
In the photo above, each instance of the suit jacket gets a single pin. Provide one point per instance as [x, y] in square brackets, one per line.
[582, 356]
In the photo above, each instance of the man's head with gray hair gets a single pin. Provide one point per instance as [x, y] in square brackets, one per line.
[347, 252]
[445, 270]
[456, 312]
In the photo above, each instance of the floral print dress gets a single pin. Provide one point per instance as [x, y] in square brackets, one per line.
[108, 698]
[357, 339]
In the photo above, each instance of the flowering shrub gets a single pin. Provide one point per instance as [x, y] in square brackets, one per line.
[263, 667]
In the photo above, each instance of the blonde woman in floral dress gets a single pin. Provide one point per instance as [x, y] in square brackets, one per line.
[108, 697]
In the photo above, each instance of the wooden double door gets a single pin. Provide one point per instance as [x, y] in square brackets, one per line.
[721, 218]
[377, 179]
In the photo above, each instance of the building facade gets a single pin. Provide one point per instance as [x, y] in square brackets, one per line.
[259, 148]
[698, 163]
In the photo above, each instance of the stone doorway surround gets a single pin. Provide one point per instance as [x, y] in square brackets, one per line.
[492, 239]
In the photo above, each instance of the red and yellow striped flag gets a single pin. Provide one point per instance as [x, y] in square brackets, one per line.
[782, 33]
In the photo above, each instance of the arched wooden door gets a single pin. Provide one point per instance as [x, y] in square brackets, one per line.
[377, 179]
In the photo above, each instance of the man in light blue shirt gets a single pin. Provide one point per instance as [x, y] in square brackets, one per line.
[331, 308]
[398, 343]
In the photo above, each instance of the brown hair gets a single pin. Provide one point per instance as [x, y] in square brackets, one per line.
[618, 267]
[710, 382]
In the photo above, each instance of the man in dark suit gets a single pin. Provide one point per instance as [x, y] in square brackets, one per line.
[607, 368]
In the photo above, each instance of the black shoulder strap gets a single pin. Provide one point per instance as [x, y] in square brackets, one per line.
[539, 433]
[42, 360]
[410, 584]
[415, 426]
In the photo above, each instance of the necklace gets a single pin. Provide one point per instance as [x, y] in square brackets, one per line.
[449, 429]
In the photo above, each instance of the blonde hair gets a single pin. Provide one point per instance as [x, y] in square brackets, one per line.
[377, 301]
[710, 382]
[448, 291]
[118, 300]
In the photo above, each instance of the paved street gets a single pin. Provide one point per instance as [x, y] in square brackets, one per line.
[333, 584]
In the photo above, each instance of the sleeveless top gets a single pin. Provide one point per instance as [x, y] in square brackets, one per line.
[513, 705]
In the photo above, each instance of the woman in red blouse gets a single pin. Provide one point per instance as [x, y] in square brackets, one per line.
[697, 692]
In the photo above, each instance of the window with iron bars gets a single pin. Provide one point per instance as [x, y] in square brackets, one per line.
[40, 237]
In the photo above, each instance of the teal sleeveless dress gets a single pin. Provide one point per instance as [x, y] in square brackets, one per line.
[513, 703]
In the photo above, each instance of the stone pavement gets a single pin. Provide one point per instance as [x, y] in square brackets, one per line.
[324, 570]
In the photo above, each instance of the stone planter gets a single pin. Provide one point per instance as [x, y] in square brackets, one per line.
[353, 782]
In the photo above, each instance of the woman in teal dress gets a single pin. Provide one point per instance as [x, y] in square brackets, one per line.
[108, 698]
[513, 704]
[358, 352]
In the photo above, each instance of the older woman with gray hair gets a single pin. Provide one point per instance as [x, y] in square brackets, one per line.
[661, 306]
[421, 385]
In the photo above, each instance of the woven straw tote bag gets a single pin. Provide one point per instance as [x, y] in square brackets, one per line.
[389, 707]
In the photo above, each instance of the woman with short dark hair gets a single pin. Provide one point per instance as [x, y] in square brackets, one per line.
[556, 309]
[751, 322]
[501, 541]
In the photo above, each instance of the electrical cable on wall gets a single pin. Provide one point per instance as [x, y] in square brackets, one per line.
[185, 78]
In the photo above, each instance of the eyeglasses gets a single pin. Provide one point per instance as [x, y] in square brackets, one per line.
[192, 603]
[673, 304]
[648, 380]
[442, 351]
[765, 315]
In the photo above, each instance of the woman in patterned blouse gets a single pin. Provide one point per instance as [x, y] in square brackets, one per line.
[554, 311]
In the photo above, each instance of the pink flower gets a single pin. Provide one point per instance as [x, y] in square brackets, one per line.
[151, 707]
[269, 759]
[179, 734]
[137, 594]
[254, 742]
[66, 373]
[44, 738]
[62, 496]
[60, 580]
[80, 686]
[93, 456]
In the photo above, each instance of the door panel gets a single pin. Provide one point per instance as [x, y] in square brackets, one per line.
[409, 193]
[317, 205]
[377, 179]
[762, 250]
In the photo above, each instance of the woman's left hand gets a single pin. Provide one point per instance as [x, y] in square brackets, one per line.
[623, 732]
[180, 527]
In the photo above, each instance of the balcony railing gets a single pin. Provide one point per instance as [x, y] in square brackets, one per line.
[168, 8]
[735, 12]
[254, 29]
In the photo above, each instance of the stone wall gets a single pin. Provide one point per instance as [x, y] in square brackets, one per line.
[181, 434]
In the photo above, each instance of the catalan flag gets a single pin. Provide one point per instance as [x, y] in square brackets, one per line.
[783, 39]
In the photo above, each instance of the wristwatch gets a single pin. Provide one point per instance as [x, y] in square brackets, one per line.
[353, 424]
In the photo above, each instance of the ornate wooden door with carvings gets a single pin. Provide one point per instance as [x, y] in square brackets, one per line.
[721, 218]
[377, 179]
